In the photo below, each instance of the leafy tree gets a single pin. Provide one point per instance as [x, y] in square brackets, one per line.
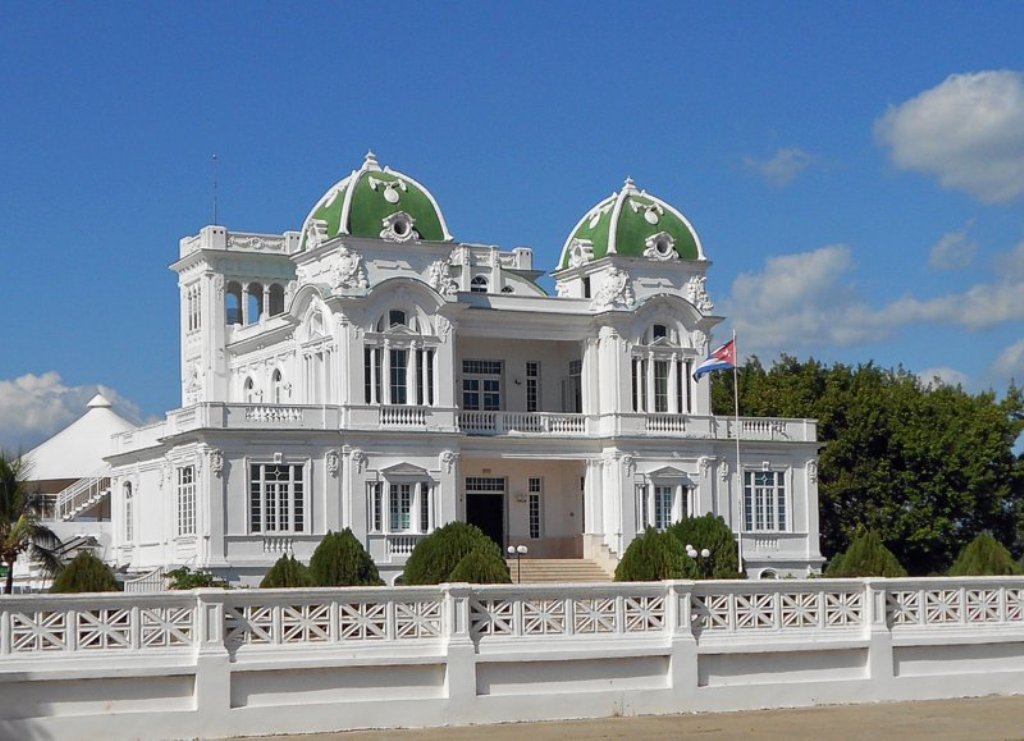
[21, 529]
[866, 556]
[184, 578]
[985, 556]
[481, 566]
[654, 556]
[927, 467]
[341, 561]
[287, 572]
[85, 573]
[435, 557]
[711, 532]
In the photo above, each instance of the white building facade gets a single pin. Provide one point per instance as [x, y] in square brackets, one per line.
[371, 372]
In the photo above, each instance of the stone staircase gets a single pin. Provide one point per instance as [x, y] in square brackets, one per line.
[536, 570]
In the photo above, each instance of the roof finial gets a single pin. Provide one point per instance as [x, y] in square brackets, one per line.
[370, 163]
[629, 184]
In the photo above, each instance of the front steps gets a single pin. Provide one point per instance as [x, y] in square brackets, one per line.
[541, 570]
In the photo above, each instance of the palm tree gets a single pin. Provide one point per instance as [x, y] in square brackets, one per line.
[20, 527]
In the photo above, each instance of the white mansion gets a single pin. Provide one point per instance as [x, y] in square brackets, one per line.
[369, 371]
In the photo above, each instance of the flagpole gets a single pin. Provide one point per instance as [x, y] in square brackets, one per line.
[739, 470]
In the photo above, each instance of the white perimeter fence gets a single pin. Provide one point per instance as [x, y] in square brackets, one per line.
[213, 663]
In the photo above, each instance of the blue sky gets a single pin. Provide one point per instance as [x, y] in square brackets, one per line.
[855, 171]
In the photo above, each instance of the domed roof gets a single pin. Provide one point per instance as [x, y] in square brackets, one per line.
[633, 223]
[375, 202]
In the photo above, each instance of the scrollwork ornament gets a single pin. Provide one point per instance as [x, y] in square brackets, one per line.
[812, 471]
[333, 463]
[358, 458]
[446, 460]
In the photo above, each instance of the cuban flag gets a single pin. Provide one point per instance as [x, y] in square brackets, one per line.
[724, 358]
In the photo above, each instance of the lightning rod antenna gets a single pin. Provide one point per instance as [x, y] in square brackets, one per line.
[215, 178]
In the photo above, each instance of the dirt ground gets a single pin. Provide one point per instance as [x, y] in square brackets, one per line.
[977, 718]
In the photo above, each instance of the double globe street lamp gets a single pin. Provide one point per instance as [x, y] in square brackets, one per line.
[518, 551]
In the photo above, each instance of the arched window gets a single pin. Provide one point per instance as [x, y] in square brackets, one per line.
[662, 371]
[233, 303]
[129, 514]
[254, 302]
[249, 390]
[276, 299]
[478, 284]
[277, 387]
[400, 368]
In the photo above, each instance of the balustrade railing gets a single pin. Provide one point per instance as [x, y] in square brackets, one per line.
[86, 625]
[403, 416]
[402, 545]
[538, 423]
[272, 413]
[666, 423]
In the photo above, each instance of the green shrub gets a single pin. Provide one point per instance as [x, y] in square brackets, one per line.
[85, 573]
[287, 572]
[436, 556]
[481, 566]
[711, 532]
[984, 556]
[654, 556]
[341, 561]
[866, 556]
[184, 578]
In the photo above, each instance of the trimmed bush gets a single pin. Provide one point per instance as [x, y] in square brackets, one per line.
[481, 566]
[654, 556]
[341, 561]
[435, 557]
[984, 556]
[287, 572]
[866, 556]
[711, 532]
[85, 573]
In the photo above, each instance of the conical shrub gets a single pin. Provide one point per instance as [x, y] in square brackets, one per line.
[85, 573]
[866, 556]
[341, 561]
[481, 566]
[654, 556]
[710, 531]
[436, 556]
[984, 556]
[287, 572]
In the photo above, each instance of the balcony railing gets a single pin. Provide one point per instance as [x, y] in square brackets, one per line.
[522, 423]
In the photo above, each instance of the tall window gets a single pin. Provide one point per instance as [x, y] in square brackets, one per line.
[398, 360]
[249, 391]
[277, 386]
[193, 307]
[764, 500]
[478, 284]
[277, 501]
[481, 384]
[129, 514]
[532, 386]
[643, 507]
[399, 379]
[660, 385]
[663, 496]
[401, 507]
[534, 504]
[186, 521]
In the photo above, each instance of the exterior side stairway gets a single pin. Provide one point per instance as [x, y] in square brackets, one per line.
[539, 570]
[83, 495]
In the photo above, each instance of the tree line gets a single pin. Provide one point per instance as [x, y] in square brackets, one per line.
[928, 467]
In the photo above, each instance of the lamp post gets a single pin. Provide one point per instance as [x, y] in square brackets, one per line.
[518, 551]
[701, 558]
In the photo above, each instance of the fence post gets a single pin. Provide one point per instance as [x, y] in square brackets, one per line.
[460, 653]
[683, 670]
[880, 654]
[213, 665]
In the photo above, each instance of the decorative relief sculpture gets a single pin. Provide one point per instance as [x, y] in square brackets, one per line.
[616, 292]
[704, 464]
[697, 292]
[444, 328]
[812, 471]
[652, 211]
[661, 246]
[398, 227]
[723, 470]
[348, 271]
[446, 461]
[440, 278]
[581, 251]
[193, 385]
[216, 462]
[316, 233]
[332, 463]
[390, 188]
[358, 458]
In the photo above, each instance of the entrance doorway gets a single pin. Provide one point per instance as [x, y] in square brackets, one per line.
[485, 506]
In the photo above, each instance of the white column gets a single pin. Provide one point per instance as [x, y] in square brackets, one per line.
[245, 305]
[651, 404]
[425, 377]
[673, 386]
[386, 374]
[265, 308]
[411, 367]
[373, 374]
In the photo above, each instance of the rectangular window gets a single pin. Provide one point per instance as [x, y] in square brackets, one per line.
[376, 506]
[660, 385]
[277, 498]
[129, 515]
[424, 508]
[481, 384]
[399, 365]
[764, 500]
[686, 379]
[400, 507]
[663, 506]
[535, 486]
[680, 387]
[186, 524]
[485, 484]
[368, 369]
[532, 385]
[643, 514]
[425, 368]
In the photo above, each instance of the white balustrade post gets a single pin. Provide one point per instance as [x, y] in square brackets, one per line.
[880, 653]
[460, 654]
[683, 673]
[213, 667]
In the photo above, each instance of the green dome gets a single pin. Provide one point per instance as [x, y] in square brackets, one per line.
[632, 223]
[378, 203]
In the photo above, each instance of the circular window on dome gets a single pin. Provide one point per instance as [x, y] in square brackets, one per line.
[398, 227]
[661, 246]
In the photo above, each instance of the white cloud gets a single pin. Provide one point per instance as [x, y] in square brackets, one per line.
[1010, 363]
[953, 250]
[32, 408]
[968, 131]
[783, 167]
[942, 376]
[808, 300]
